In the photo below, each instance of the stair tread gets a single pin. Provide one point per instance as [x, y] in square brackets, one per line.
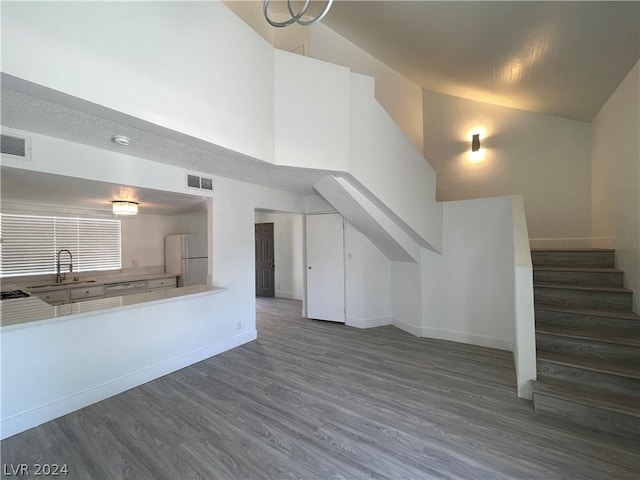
[573, 250]
[586, 288]
[560, 268]
[587, 311]
[614, 402]
[597, 365]
[590, 333]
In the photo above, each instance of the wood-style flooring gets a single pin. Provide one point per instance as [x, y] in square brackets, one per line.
[318, 400]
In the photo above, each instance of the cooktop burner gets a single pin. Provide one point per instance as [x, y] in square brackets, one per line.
[13, 294]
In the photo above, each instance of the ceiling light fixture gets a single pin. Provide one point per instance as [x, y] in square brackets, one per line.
[124, 207]
[121, 140]
[295, 17]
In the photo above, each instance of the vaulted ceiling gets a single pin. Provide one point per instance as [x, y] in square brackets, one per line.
[559, 58]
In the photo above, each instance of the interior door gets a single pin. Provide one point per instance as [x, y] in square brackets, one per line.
[325, 267]
[265, 262]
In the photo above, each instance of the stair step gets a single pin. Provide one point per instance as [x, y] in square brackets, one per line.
[590, 312]
[583, 257]
[622, 323]
[609, 368]
[579, 275]
[595, 297]
[628, 405]
[615, 414]
[590, 333]
[586, 344]
[588, 373]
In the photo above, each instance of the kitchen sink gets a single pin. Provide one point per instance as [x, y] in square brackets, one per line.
[62, 284]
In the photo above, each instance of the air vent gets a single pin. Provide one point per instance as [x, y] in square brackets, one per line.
[14, 146]
[201, 183]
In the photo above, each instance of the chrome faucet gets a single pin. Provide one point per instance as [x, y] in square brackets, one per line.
[63, 276]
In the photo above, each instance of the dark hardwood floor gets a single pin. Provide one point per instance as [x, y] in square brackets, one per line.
[318, 400]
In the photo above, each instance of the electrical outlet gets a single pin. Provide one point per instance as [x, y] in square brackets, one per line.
[239, 325]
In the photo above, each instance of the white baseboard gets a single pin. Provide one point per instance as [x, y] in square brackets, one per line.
[368, 322]
[288, 295]
[588, 242]
[469, 338]
[37, 416]
[407, 327]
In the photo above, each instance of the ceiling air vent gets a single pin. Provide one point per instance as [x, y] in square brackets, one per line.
[201, 183]
[15, 146]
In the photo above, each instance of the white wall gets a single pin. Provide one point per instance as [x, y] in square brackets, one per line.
[524, 344]
[401, 98]
[406, 297]
[543, 158]
[143, 236]
[288, 253]
[615, 177]
[311, 129]
[367, 281]
[469, 290]
[197, 69]
[384, 161]
[143, 239]
[250, 11]
[194, 223]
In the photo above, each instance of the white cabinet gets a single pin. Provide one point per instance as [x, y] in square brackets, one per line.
[71, 294]
[54, 297]
[79, 294]
[162, 283]
[125, 288]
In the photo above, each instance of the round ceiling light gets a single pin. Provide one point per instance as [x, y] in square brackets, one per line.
[121, 140]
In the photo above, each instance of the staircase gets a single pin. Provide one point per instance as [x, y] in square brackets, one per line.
[588, 341]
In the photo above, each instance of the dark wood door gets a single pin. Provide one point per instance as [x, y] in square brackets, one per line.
[265, 266]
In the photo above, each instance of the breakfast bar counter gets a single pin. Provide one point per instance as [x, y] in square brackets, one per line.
[31, 311]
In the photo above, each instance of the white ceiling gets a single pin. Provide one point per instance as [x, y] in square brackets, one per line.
[559, 58]
[27, 189]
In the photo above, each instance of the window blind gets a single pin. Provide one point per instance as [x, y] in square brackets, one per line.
[30, 243]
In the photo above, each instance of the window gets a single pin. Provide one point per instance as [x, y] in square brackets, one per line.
[30, 243]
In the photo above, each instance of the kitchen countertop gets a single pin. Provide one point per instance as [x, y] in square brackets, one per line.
[36, 287]
[31, 311]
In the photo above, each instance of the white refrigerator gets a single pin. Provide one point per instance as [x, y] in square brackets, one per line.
[187, 256]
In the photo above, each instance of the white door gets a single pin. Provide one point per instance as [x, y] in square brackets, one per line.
[325, 267]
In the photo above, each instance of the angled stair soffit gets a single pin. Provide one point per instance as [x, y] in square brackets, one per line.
[370, 220]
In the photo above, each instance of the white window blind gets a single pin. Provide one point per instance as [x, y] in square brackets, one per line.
[30, 243]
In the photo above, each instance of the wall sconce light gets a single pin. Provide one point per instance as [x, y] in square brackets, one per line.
[475, 142]
[123, 207]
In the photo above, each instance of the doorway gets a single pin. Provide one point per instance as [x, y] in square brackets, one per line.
[288, 260]
[265, 260]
